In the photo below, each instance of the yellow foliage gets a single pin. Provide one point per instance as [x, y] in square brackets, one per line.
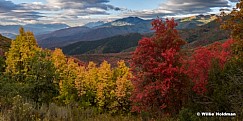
[109, 89]
[20, 53]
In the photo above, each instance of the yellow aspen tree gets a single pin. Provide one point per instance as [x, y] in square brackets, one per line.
[86, 84]
[68, 92]
[124, 87]
[79, 81]
[105, 86]
[21, 50]
[60, 62]
[123, 82]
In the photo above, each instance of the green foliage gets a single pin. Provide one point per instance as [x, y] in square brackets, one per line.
[68, 92]
[29, 70]
[2, 65]
[22, 110]
[226, 87]
[188, 115]
[224, 93]
[42, 79]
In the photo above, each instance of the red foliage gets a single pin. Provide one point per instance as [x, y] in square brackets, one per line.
[200, 63]
[156, 69]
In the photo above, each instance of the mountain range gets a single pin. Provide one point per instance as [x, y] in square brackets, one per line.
[124, 26]
[197, 36]
[11, 31]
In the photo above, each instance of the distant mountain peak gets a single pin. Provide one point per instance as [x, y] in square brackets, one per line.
[94, 24]
[128, 21]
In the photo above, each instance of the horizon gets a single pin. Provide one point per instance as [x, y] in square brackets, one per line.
[80, 12]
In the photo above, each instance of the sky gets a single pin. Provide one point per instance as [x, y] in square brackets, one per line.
[80, 12]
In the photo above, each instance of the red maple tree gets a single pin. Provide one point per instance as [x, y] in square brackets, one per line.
[200, 63]
[158, 76]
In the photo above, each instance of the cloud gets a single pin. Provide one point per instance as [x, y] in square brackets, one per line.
[76, 11]
[10, 13]
[7, 6]
[181, 7]
[54, 9]
[82, 4]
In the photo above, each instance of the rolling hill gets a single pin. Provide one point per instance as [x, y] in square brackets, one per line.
[114, 44]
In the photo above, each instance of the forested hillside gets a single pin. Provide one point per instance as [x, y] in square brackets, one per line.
[114, 44]
[4, 44]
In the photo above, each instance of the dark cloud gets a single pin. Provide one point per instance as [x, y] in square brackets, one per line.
[6, 6]
[16, 12]
[193, 6]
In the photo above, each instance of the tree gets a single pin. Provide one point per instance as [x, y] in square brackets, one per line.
[86, 84]
[29, 69]
[68, 92]
[41, 79]
[123, 89]
[201, 61]
[105, 86]
[2, 64]
[60, 62]
[19, 54]
[158, 78]
[235, 25]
